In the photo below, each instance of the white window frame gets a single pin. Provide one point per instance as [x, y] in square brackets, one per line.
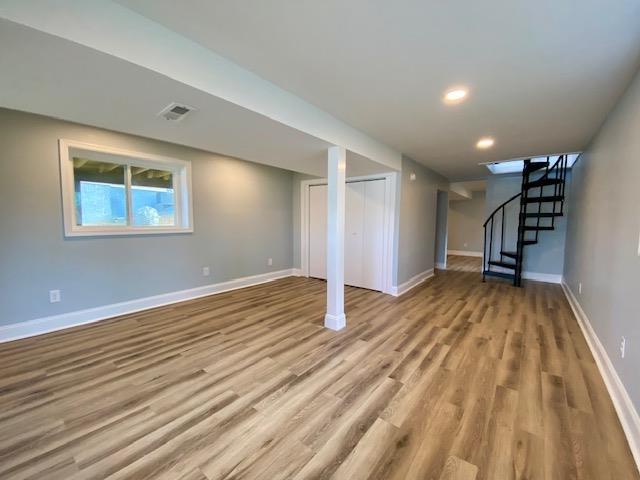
[180, 169]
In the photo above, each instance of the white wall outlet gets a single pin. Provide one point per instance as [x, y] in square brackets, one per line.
[54, 296]
[412, 176]
[206, 271]
[580, 288]
[466, 245]
[623, 346]
[270, 261]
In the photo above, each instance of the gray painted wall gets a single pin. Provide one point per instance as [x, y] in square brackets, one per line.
[442, 227]
[416, 220]
[465, 223]
[602, 237]
[548, 255]
[242, 216]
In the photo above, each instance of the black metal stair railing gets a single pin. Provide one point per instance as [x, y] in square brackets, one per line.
[553, 175]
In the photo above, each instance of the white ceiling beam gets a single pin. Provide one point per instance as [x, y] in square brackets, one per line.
[110, 28]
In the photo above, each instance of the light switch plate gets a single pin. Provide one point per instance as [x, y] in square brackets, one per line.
[54, 296]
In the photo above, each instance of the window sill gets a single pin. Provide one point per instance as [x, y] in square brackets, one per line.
[88, 232]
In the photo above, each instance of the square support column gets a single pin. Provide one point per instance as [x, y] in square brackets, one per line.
[337, 165]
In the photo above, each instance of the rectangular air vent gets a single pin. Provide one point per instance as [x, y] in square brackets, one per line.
[175, 112]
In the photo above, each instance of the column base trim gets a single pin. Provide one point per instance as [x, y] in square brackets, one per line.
[335, 322]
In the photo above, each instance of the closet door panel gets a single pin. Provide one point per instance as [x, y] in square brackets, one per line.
[364, 233]
[318, 231]
[353, 233]
[373, 235]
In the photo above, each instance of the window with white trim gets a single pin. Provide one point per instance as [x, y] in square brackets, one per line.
[109, 191]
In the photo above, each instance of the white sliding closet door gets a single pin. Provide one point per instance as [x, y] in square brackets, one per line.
[364, 233]
[373, 236]
[318, 231]
[353, 233]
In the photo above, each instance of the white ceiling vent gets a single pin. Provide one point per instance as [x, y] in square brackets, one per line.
[175, 112]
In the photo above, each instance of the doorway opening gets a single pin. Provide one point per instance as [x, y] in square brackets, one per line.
[442, 217]
[466, 216]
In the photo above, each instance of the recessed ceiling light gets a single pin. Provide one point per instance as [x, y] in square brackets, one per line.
[455, 95]
[486, 142]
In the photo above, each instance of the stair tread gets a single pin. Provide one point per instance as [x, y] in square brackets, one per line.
[544, 214]
[529, 242]
[508, 253]
[549, 198]
[499, 263]
[543, 182]
[534, 228]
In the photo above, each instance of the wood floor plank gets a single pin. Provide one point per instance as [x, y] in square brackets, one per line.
[456, 469]
[456, 379]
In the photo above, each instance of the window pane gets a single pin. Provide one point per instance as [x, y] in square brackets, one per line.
[152, 197]
[99, 192]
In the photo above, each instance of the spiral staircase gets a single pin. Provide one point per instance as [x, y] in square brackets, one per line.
[540, 203]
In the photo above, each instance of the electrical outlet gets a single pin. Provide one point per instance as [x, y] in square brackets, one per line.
[580, 288]
[466, 245]
[205, 271]
[623, 346]
[54, 296]
[412, 176]
[270, 261]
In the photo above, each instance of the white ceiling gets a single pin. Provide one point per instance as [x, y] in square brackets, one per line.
[52, 76]
[543, 74]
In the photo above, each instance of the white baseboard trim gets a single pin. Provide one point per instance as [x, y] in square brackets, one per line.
[627, 414]
[43, 325]
[465, 253]
[441, 266]
[535, 276]
[396, 291]
[542, 277]
[335, 322]
[297, 272]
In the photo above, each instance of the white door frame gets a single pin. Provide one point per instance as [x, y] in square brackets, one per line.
[443, 265]
[390, 179]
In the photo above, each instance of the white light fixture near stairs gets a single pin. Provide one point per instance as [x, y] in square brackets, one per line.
[515, 165]
[455, 95]
[484, 143]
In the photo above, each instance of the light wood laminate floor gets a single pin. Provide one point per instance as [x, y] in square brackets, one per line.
[464, 264]
[457, 379]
